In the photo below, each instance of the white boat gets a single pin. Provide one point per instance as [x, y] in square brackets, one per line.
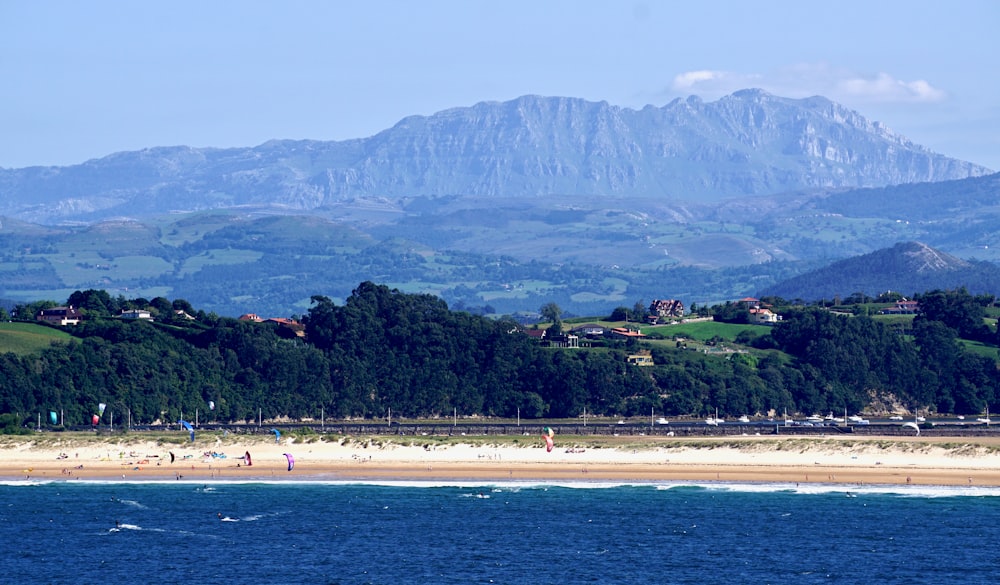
[895, 417]
[662, 421]
[744, 419]
[815, 418]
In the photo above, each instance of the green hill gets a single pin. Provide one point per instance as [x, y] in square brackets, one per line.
[28, 338]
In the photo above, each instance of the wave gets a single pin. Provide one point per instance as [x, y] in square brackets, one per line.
[848, 490]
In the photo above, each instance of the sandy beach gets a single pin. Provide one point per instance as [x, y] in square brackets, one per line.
[786, 459]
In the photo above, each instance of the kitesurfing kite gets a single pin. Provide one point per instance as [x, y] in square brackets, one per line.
[291, 461]
[913, 426]
[277, 435]
[187, 426]
[246, 458]
[547, 434]
[95, 419]
[171, 456]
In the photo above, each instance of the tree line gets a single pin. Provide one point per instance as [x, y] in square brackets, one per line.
[384, 350]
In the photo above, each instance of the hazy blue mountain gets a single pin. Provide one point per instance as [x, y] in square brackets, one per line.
[748, 143]
[907, 268]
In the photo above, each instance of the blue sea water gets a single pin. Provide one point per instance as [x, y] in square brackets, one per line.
[413, 533]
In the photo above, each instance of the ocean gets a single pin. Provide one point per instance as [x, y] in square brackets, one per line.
[422, 533]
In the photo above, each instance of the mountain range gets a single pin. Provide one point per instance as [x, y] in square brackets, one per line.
[748, 143]
[501, 206]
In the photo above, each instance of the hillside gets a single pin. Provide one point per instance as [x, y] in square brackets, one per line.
[385, 349]
[29, 338]
[907, 268]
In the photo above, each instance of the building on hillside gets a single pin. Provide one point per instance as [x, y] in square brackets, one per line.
[537, 334]
[749, 303]
[625, 333]
[564, 340]
[763, 316]
[136, 314]
[60, 316]
[665, 309]
[589, 330]
[903, 307]
[251, 317]
[291, 325]
[642, 358]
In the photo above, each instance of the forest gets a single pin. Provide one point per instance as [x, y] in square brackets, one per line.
[384, 349]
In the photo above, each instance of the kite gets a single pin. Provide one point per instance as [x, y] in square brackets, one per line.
[52, 417]
[291, 461]
[187, 426]
[95, 419]
[246, 459]
[547, 434]
[171, 456]
[277, 435]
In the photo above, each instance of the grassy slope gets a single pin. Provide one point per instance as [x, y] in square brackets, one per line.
[28, 338]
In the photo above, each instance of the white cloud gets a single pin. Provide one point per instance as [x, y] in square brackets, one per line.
[808, 79]
[884, 88]
[691, 78]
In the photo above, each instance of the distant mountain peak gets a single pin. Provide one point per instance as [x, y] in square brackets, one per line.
[906, 267]
[921, 258]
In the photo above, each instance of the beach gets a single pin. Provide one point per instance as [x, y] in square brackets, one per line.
[786, 459]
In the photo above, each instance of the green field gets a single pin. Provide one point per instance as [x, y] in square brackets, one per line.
[704, 330]
[28, 338]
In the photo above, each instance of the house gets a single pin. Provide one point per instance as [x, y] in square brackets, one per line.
[181, 314]
[564, 340]
[749, 303]
[666, 309]
[589, 330]
[763, 316]
[291, 325]
[903, 307]
[536, 334]
[134, 314]
[251, 317]
[625, 333]
[642, 358]
[60, 316]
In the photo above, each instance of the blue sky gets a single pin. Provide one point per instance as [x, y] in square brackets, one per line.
[81, 80]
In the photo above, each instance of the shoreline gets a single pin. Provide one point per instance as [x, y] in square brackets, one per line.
[786, 460]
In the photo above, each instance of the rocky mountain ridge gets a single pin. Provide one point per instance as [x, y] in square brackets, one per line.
[748, 143]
